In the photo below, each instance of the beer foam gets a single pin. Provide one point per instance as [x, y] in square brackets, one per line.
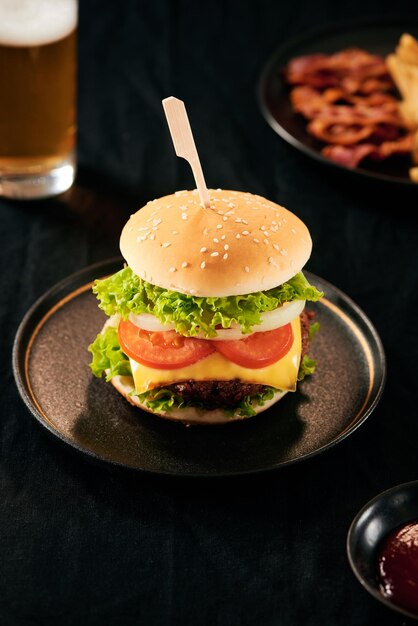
[36, 22]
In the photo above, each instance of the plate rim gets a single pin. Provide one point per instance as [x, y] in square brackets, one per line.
[35, 311]
[298, 40]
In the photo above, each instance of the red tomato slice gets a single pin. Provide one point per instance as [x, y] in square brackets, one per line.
[258, 350]
[161, 350]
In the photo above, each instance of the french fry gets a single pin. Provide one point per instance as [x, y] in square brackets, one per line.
[403, 66]
[413, 174]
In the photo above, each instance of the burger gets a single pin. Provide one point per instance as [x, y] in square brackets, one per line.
[207, 320]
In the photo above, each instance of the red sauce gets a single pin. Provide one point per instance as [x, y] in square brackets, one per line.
[398, 567]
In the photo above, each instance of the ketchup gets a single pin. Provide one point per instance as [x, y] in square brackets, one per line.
[398, 567]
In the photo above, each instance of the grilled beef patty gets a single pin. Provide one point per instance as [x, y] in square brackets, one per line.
[213, 394]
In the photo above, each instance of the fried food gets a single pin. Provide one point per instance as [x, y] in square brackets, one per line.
[349, 101]
[403, 66]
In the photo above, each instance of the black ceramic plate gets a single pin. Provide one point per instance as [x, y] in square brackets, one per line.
[54, 380]
[377, 38]
[379, 517]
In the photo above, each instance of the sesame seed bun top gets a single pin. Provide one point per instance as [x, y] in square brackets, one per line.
[241, 244]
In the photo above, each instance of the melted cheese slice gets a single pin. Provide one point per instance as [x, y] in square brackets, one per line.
[281, 375]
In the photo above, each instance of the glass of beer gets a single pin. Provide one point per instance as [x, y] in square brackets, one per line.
[38, 97]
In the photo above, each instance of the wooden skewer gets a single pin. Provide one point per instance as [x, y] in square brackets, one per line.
[184, 144]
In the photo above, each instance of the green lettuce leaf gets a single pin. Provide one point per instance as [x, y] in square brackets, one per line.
[313, 329]
[306, 368]
[108, 357]
[246, 407]
[124, 293]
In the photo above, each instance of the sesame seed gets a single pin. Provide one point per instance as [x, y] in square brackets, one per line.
[293, 231]
[266, 241]
[166, 244]
[184, 264]
[238, 220]
[220, 212]
[152, 236]
[202, 265]
[229, 213]
[283, 252]
[183, 207]
[244, 221]
[231, 205]
[223, 237]
[237, 236]
[225, 219]
[272, 262]
[214, 254]
[183, 216]
[203, 249]
[174, 232]
[218, 226]
[142, 238]
[266, 233]
[256, 240]
[156, 222]
[216, 240]
[262, 228]
[274, 222]
[172, 269]
[247, 269]
[226, 247]
[205, 231]
[276, 246]
[245, 232]
[225, 256]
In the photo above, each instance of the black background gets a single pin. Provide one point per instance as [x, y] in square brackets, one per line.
[82, 543]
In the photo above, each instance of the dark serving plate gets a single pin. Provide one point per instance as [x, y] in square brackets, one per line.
[380, 37]
[387, 511]
[50, 362]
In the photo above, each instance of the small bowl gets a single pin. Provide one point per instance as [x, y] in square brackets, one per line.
[387, 511]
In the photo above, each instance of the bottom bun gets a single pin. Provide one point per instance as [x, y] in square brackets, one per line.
[188, 415]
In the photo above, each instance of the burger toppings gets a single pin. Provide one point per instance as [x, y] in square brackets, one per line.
[109, 358]
[270, 320]
[125, 293]
[258, 350]
[163, 350]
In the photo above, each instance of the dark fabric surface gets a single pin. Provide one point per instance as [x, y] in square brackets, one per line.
[82, 543]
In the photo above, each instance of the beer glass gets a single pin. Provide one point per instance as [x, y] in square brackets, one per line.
[37, 97]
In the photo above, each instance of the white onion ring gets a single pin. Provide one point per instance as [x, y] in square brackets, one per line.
[149, 322]
[270, 320]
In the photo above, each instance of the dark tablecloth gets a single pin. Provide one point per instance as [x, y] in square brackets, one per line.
[83, 543]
